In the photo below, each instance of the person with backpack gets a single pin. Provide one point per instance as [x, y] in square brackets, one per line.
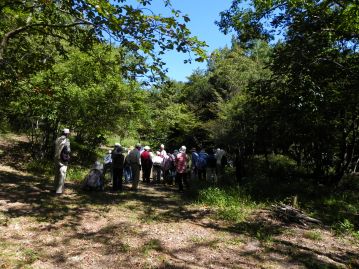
[201, 164]
[118, 160]
[194, 157]
[171, 174]
[62, 158]
[211, 167]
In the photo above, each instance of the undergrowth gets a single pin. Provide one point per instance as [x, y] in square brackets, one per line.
[230, 203]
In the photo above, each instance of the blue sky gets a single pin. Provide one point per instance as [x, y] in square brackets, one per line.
[203, 14]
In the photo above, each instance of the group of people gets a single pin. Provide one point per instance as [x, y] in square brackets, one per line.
[160, 166]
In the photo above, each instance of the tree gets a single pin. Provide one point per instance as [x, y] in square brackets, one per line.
[83, 92]
[138, 29]
[315, 74]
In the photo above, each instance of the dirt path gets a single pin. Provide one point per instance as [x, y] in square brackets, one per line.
[152, 228]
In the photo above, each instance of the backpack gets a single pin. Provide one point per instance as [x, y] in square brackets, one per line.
[65, 155]
[201, 161]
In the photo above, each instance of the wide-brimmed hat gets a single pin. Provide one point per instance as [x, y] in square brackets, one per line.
[146, 148]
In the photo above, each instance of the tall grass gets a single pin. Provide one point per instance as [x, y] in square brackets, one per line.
[230, 203]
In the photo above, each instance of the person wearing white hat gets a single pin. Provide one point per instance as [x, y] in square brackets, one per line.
[181, 168]
[62, 158]
[162, 150]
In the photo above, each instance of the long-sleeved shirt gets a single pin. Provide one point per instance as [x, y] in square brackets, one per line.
[134, 157]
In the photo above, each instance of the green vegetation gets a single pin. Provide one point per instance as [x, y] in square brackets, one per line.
[313, 235]
[153, 244]
[231, 204]
[286, 113]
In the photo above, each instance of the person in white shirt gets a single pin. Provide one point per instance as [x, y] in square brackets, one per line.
[62, 158]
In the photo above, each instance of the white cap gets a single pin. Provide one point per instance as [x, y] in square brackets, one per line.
[162, 146]
[183, 149]
[117, 145]
[66, 131]
[147, 148]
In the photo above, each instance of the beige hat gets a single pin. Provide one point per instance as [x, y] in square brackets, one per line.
[147, 148]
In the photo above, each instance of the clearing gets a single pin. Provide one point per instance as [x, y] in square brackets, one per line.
[155, 227]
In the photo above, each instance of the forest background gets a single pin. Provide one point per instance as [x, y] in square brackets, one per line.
[286, 112]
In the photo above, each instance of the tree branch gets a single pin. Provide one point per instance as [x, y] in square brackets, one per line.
[5, 39]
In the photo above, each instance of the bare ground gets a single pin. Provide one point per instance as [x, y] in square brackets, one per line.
[152, 228]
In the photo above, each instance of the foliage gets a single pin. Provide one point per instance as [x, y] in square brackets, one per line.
[307, 108]
[169, 118]
[231, 203]
[82, 22]
[89, 98]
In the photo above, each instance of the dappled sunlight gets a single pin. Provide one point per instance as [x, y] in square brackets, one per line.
[153, 227]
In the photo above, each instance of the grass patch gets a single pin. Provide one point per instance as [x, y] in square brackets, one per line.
[153, 244]
[231, 203]
[76, 173]
[30, 255]
[149, 215]
[236, 241]
[197, 239]
[40, 167]
[13, 256]
[313, 235]
[125, 248]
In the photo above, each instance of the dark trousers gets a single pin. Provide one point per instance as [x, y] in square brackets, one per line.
[202, 174]
[117, 179]
[146, 172]
[180, 179]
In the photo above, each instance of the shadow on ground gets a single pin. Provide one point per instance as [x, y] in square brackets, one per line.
[28, 196]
